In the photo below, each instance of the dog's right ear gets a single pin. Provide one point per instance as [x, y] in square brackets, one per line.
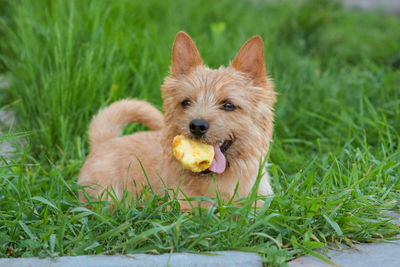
[185, 55]
[250, 60]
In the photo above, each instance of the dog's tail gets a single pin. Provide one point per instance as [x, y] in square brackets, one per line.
[108, 123]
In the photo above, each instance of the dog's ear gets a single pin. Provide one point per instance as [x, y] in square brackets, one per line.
[185, 55]
[250, 60]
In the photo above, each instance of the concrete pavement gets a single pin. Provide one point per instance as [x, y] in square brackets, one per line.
[219, 259]
[363, 255]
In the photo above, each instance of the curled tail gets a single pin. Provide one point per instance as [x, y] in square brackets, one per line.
[108, 123]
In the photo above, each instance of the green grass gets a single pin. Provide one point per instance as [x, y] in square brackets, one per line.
[335, 159]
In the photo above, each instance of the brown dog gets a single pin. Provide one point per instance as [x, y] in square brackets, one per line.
[230, 108]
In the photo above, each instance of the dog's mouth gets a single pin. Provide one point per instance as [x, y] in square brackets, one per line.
[224, 145]
[219, 162]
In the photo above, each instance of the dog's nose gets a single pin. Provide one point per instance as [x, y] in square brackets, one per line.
[198, 127]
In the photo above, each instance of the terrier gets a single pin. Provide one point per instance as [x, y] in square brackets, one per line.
[230, 108]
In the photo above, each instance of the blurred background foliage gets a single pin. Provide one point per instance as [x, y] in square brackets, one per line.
[66, 59]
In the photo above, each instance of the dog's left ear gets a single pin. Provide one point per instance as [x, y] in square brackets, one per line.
[250, 60]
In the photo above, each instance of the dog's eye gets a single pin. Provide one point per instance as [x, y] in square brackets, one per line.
[185, 103]
[228, 106]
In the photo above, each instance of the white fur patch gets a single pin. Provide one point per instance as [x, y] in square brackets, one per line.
[265, 185]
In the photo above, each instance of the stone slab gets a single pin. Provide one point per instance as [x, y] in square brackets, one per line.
[219, 259]
[384, 5]
[363, 255]
[7, 118]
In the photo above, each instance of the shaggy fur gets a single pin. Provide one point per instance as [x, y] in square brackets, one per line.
[114, 160]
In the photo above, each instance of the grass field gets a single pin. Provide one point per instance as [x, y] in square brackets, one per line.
[334, 161]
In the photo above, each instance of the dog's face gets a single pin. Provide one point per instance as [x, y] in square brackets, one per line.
[229, 108]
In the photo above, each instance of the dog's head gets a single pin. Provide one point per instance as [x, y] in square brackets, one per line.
[229, 108]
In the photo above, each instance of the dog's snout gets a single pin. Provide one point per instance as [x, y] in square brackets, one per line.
[198, 127]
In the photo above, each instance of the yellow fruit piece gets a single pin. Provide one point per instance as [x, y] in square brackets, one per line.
[192, 154]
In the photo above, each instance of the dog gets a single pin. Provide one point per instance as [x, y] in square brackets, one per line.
[230, 108]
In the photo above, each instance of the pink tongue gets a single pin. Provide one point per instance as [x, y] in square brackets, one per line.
[219, 162]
